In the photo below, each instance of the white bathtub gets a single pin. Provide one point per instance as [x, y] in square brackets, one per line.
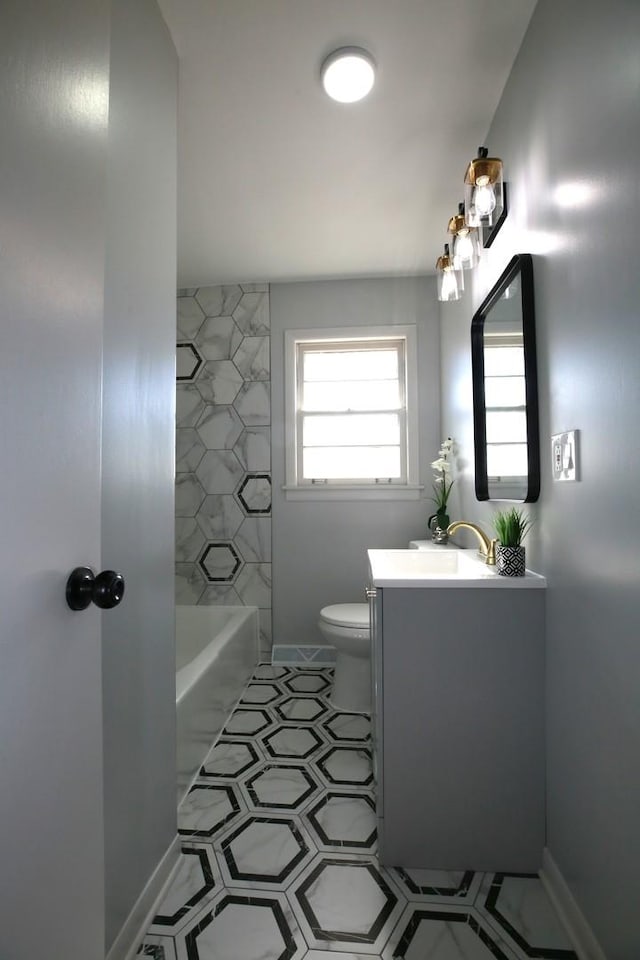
[216, 653]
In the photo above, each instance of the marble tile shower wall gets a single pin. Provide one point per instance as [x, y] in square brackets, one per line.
[223, 449]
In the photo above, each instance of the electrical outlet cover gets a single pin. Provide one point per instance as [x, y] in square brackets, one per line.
[564, 455]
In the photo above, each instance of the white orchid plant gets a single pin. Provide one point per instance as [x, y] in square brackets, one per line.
[442, 483]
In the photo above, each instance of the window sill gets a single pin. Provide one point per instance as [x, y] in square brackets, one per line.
[354, 492]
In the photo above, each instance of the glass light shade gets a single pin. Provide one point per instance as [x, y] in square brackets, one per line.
[450, 279]
[348, 74]
[466, 242]
[466, 249]
[483, 190]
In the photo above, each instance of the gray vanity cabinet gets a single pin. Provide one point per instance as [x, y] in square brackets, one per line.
[458, 727]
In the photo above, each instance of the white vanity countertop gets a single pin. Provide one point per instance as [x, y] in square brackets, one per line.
[444, 568]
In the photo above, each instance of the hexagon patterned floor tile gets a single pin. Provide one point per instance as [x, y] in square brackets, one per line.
[261, 693]
[244, 927]
[355, 727]
[301, 709]
[444, 933]
[197, 881]
[294, 743]
[207, 808]
[245, 722]
[157, 948]
[517, 907]
[312, 682]
[266, 671]
[265, 852]
[278, 855]
[344, 901]
[342, 822]
[280, 786]
[228, 759]
[346, 766]
[438, 886]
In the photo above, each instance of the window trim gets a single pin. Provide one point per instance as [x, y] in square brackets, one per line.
[352, 490]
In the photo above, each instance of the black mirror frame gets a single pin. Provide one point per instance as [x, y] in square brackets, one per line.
[521, 264]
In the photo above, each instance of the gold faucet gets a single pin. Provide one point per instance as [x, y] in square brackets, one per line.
[487, 547]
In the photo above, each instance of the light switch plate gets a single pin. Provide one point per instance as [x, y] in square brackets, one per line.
[564, 455]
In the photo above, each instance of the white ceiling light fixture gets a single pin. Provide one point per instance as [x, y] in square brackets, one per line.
[348, 74]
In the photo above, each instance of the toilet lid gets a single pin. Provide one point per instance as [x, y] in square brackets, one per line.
[347, 614]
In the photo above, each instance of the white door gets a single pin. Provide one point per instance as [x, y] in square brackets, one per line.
[53, 110]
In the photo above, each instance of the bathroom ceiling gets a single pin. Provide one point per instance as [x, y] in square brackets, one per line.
[277, 182]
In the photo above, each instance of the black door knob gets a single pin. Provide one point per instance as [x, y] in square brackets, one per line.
[106, 589]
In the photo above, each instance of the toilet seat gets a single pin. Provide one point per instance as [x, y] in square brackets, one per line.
[354, 615]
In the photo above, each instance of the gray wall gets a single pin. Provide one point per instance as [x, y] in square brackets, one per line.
[138, 458]
[568, 130]
[319, 548]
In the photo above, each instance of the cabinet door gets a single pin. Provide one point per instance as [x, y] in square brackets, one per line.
[463, 729]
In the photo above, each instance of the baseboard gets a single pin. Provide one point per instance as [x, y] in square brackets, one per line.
[128, 940]
[286, 655]
[570, 914]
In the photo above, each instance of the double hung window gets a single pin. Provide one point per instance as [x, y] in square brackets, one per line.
[351, 411]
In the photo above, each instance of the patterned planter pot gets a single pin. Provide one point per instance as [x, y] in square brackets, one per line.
[510, 561]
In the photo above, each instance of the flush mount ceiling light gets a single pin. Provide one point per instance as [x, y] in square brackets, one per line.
[348, 74]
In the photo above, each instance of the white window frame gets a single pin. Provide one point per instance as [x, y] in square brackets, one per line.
[409, 489]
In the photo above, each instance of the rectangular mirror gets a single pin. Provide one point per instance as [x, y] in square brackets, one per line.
[505, 388]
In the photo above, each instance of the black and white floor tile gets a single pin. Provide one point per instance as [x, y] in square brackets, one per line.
[279, 853]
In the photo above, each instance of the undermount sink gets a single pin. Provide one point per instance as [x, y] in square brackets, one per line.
[446, 568]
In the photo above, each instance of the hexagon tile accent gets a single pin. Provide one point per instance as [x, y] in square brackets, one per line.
[220, 562]
[224, 446]
[188, 363]
[254, 494]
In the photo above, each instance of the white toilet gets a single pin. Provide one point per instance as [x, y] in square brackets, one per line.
[346, 627]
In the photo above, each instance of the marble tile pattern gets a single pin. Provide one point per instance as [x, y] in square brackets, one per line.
[223, 449]
[279, 851]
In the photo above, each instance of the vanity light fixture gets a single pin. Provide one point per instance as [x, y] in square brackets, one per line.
[466, 243]
[483, 190]
[348, 74]
[450, 280]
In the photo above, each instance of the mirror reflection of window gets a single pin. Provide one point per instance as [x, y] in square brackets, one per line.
[505, 396]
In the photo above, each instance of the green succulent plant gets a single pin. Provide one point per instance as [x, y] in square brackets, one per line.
[511, 526]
